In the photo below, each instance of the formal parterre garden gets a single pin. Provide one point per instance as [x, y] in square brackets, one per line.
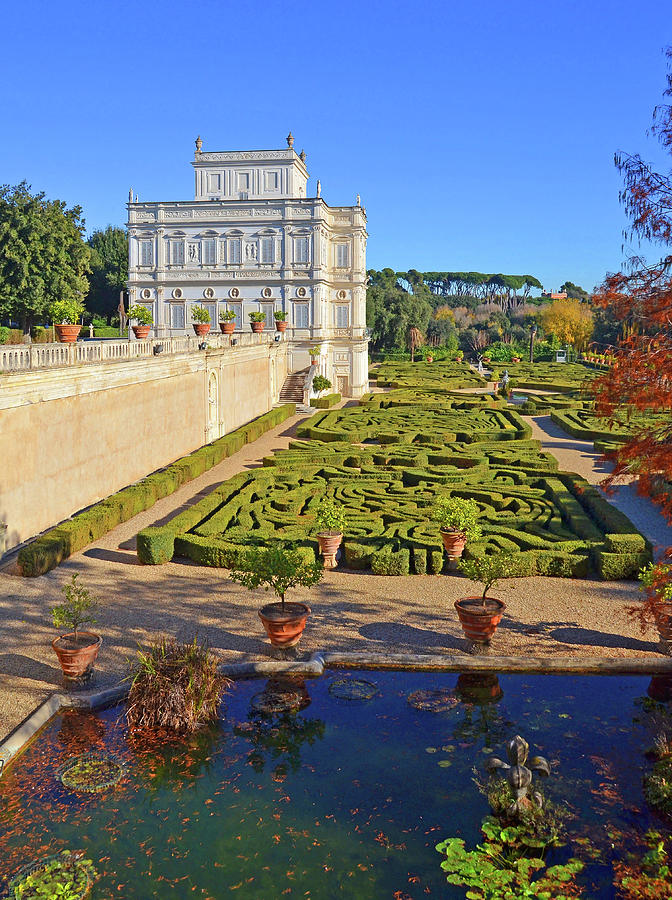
[388, 460]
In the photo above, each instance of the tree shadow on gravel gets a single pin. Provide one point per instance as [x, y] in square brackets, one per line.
[572, 633]
[418, 638]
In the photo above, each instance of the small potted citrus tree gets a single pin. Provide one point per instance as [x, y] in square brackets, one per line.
[279, 569]
[257, 321]
[143, 317]
[330, 519]
[227, 321]
[200, 320]
[76, 650]
[280, 320]
[65, 314]
[457, 518]
[479, 616]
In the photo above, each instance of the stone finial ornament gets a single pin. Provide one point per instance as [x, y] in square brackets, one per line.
[359, 200]
[290, 140]
[518, 775]
[130, 196]
[319, 188]
[302, 156]
[199, 144]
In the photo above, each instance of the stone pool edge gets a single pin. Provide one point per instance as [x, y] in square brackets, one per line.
[15, 742]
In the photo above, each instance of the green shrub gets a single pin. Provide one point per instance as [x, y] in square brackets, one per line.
[325, 402]
[4, 334]
[155, 546]
[388, 561]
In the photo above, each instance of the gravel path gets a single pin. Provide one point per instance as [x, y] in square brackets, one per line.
[351, 611]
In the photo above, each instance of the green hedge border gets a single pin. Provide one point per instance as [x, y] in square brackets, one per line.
[57, 544]
[325, 402]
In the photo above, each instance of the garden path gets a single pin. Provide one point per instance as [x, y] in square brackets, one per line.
[351, 611]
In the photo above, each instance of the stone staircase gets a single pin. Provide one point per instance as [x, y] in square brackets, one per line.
[292, 389]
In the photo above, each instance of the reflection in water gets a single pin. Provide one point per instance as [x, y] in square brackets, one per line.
[478, 687]
[480, 693]
[660, 688]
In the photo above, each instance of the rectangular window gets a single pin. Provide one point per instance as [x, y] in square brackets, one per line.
[177, 253]
[342, 316]
[271, 181]
[213, 183]
[301, 315]
[146, 254]
[177, 315]
[268, 309]
[234, 251]
[267, 250]
[243, 181]
[238, 309]
[212, 309]
[342, 256]
[301, 250]
[209, 252]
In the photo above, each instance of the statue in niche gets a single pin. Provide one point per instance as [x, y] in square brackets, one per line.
[250, 252]
[193, 253]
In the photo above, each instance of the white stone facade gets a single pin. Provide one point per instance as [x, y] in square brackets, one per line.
[252, 241]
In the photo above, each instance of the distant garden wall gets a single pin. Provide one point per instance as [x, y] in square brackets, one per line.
[73, 435]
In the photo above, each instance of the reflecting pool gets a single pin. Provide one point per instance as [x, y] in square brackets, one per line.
[339, 786]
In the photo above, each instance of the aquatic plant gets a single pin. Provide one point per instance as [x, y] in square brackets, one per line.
[67, 876]
[648, 877]
[176, 686]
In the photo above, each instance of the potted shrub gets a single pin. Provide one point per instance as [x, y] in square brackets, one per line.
[200, 320]
[227, 324]
[429, 358]
[143, 317]
[480, 616]
[76, 650]
[257, 320]
[457, 518]
[65, 315]
[280, 320]
[459, 356]
[656, 582]
[279, 569]
[330, 519]
[314, 354]
[320, 383]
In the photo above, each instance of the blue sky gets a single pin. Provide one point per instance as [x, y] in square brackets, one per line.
[480, 135]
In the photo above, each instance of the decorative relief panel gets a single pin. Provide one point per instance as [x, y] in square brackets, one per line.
[219, 213]
[341, 357]
[215, 156]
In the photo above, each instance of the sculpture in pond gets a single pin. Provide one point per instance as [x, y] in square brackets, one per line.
[519, 775]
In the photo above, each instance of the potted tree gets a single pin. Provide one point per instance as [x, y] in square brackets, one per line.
[257, 320]
[143, 317]
[76, 650]
[279, 569]
[200, 320]
[457, 518]
[227, 322]
[656, 582]
[280, 320]
[65, 315]
[330, 519]
[314, 353]
[480, 616]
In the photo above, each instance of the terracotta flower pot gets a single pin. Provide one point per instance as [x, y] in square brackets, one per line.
[257, 327]
[430, 359]
[67, 334]
[479, 622]
[141, 331]
[201, 328]
[227, 327]
[454, 543]
[329, 542]
[664, 626]
[284, 628]
[281, 326]
[77, 658]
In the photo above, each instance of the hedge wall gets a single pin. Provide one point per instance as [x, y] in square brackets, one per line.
[325, 402]
[47, 551]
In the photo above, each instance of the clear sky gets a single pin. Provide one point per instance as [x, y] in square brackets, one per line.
[479, 133]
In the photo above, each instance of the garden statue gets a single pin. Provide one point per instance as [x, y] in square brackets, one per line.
[518, 775]
[505, 379]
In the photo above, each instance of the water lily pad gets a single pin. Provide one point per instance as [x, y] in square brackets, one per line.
[91, 772]
[444, 763]
[436, 701]
[353, 689]
[276, 701]
[430, 749]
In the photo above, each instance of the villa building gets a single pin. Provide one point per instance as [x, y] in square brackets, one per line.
[252, 240]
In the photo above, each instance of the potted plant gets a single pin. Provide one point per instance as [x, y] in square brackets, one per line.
[257, 321]
[143, 317]
[457, 518]
[76, 650]
[314, 353]
[330, 519]
[321, 383]
[656, 582]
[459, 356]
[279, 569]
[65, 315]
[429, 358]
[200, 320]
[227, 322]
[480, 616]
[280, 320]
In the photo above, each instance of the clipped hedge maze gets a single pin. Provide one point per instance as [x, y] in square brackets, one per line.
[387, 461]
[430, 376]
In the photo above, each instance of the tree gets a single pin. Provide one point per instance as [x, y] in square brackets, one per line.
[573, 291]
[640, 298]
[43, 256]
[569, 320]
[109, 263]
[415, 340]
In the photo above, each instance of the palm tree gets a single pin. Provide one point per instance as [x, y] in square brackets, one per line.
[416, 340]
